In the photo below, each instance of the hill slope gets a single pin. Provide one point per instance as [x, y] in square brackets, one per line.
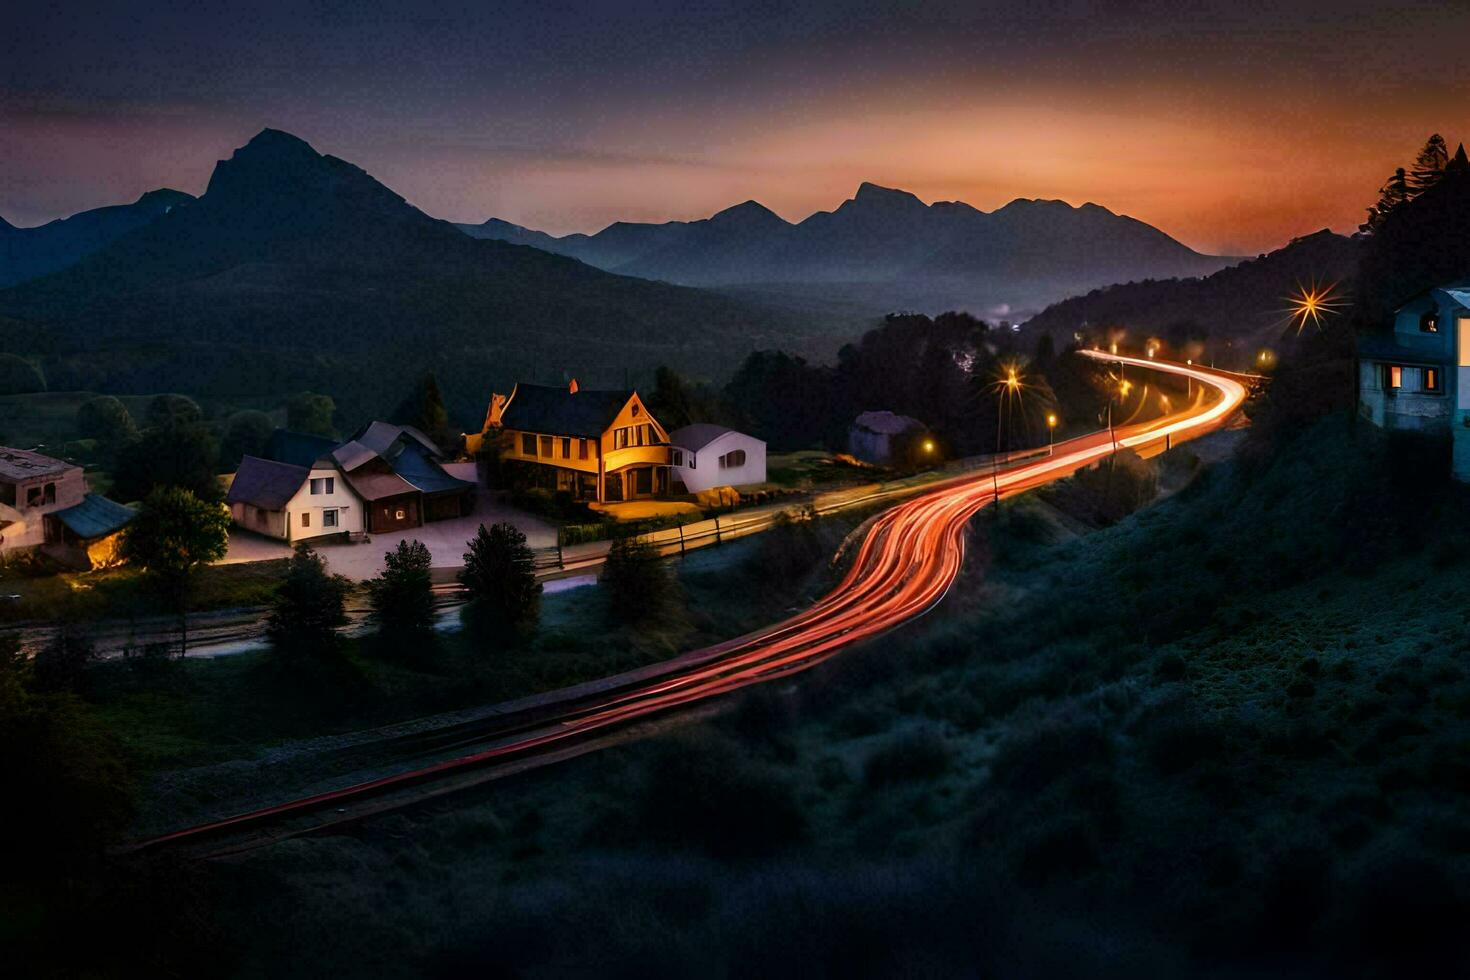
[26, 253]
[1243, 305]
[299, 270]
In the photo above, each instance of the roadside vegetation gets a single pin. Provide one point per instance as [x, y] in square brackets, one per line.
[1220, 731]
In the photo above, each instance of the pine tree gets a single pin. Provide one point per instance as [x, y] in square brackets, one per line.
[1393, 194]
[1429, 165]
[424, 410]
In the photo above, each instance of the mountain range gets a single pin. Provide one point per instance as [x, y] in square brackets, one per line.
[297, 270]
[26, 253]
[1028, 252]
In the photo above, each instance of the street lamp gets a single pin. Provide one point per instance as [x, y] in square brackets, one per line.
[1124, 386]
[1006, 387]
[1051, 433]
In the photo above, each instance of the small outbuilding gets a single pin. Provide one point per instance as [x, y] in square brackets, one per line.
[705, 456]
[883, 437]
[89, 534]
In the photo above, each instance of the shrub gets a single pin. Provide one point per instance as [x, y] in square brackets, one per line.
[308, 608]
[61, 664]
[106, 419]
[917, 755]
[638, 584]
[402, 597]
[500, 575]
[165, 411]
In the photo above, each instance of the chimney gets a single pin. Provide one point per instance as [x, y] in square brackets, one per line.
[572, 387]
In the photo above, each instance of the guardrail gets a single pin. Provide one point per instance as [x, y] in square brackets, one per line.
[564, 560]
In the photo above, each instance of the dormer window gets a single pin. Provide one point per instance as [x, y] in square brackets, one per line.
[1429, 322]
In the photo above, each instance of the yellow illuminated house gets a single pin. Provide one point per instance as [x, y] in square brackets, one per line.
[594, 445]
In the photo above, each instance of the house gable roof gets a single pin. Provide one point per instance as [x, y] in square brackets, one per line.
[22, 464]
[266, 483]
[554, 410]
[414, 464]
[380, 437]
[695, 437]
[95, 517]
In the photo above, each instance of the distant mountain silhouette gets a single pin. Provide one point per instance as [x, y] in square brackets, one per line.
[298, 270]
[882, 236]
[26, 253]
[1238, 309]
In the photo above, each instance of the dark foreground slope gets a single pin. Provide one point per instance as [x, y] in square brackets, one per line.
[1228, 737]
[299, 270]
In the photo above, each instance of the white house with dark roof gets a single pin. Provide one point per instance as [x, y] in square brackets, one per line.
[706, 456]
[1416, 376]
[293, 503]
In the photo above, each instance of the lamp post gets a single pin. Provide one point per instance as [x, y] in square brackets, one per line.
[1051, 433]
[1009, 385]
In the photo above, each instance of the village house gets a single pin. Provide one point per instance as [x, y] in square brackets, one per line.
[44, 505]
[706, 456]
[1416, 376]
[385, 478]
[882, 437]
[31, 487]
[595, 445]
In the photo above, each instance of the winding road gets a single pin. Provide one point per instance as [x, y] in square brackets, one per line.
[907, 561]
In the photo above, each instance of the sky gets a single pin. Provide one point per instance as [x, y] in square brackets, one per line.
[1233, 126]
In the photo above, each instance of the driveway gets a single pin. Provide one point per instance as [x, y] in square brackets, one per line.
[445, 540]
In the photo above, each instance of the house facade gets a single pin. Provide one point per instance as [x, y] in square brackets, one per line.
[33, 486]
[706, 456]
[293, 503]
[595, 445]
[384, 479]
[1416, 377]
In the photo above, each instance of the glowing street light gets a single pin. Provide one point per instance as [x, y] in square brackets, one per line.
[1313, 304]
[1051, 432]
[1008, 387]
[928, 445]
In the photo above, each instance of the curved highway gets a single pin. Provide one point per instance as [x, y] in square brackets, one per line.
[905, 564]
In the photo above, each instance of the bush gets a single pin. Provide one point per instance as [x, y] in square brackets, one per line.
[500, 575]
[308, 608]
[165, 411]
[706, 793]
[402, 597]
[311, 414]
[61, 664]
[638, 584]
[923, 754]
[106, 420]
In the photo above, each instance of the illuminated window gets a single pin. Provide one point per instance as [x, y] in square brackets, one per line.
[1429, 322]
[1464, 338]
[1433, 380]
[1393, 377]
[528, 444]
[398, 515]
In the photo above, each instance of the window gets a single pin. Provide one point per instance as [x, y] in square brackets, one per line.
[329, 518]
[732, 459]
[642, 433]
[261, 515]
[398, 515]
[620, 439]
[581, 448]
[7, 494]
[1433, 381]
[50, 493]
[33, 496]
[1393, 378]
[546, 446]
[1429, 322]
[1464, 338]
[693, 462]
[677, 457]
[528, 444]
[566, 448]
[637, 409]
[305, 519]
[323, 484]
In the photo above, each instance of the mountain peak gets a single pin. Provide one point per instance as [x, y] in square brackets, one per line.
[749, 213]
[871, 193]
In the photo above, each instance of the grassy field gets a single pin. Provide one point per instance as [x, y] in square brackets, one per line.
[121, 593]
[208, 711]
[1227, 737]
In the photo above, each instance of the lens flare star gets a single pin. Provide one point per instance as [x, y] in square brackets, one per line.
[1313, 304]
